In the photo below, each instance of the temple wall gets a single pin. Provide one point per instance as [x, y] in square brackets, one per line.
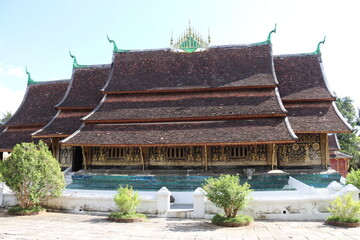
[310, 150]
[66, 156]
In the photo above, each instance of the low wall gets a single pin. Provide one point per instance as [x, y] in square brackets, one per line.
[305, 203]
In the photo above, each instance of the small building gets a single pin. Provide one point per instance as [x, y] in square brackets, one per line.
[338, 161]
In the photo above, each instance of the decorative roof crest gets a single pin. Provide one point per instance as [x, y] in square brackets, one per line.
[116, 49]
[271, 32]
[268, 40]
[190, 41]
[318, 46]
[75, 64]
[30, 81]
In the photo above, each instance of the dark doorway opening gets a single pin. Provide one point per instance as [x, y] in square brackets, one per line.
[77, 159]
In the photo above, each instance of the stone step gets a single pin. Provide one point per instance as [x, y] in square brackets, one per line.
[180, 210]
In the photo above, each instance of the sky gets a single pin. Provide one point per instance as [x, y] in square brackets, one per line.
[40, 33]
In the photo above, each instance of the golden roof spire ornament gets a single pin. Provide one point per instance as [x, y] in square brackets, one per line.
[189, 41]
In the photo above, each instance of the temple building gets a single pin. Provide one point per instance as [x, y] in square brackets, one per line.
[192, 106]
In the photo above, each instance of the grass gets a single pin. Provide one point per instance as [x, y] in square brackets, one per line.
[17, 210]
[222, 220]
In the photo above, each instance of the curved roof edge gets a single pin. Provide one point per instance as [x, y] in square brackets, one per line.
[342, 117]
[289, 128]
[95, 109]
[279, 101]
[26, 93]
[49, 123]
[73, 135]
[324, 77]
[72, 79]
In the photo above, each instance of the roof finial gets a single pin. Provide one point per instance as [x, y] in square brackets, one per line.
[171, 39]
[269, 36]
[75, 64]
[30, 81]
[209, 38]
[318, 46]
[113, 42]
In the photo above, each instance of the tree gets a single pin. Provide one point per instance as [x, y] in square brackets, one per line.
[32, 174]
[227, 193]
[6, 116]
[349, 142]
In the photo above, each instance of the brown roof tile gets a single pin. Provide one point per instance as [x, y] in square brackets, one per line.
[210, 104]
[315, 117]
[235, 66]
[192, 133]
[301, 77]
[37, 107]
[85, 85]
[63, 124]
[12, 136]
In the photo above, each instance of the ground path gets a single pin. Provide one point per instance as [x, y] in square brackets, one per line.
[83, 226]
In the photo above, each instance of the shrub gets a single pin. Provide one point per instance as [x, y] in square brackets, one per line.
[220, 219]
[354, 178]
[226, 192]
[344, 209]
[127, 200]
[32, 174]
[25, 211]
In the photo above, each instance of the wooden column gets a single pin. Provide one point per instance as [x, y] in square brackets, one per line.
[142, 159]
[86, 156]
[325, 155]
[271, 156]
[206, 158]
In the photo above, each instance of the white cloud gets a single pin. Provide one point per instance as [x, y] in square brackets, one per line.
[8, 70]
[10, 100]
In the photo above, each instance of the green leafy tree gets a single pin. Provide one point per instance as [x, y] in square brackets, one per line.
[227, 193]
[349, 142]
[353, 178]
[32, 174]
[6, 116]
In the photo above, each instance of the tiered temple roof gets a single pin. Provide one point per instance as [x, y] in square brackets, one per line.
[82, 96]
[225, 95]
[36, 110]
[305, 94]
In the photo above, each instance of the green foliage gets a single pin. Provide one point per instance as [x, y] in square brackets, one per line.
[349, 142]
[226, 192]
[353, 178]
[17, 210]
[5, 117]
[344, 209]
[32, 174]
[133, 215]
[127, 200]
[219, 219]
